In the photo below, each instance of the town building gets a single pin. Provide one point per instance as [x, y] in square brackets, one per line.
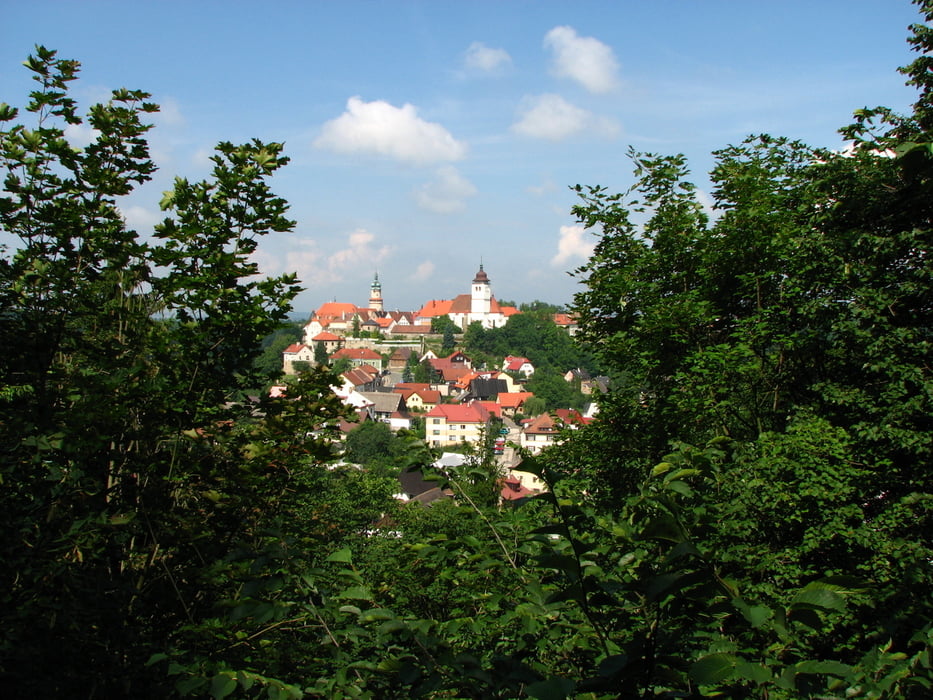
[452, 424]
[478, 306]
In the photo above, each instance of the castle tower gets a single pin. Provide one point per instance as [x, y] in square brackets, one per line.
[481, 294]
[375, 294]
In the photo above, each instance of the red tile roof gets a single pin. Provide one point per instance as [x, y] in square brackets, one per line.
[435, 307]
[356, 354]
[334, 309]
[461, 413]
[515, 399]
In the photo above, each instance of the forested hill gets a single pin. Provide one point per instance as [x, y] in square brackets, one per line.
[748, 517]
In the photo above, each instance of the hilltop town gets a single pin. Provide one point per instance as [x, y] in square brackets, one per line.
[396, 369]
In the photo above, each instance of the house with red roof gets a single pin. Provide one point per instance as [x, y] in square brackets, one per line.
[359, 356]
[331, 341]
[451, 368]
[519, 365]
[567, 322]
[514, 490]
[513, 402]
[296, 352]
[452, 424]
[543, 431]
[423, 400]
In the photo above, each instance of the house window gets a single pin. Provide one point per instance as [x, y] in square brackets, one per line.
[437, 421]
[462, 427]
[435, 432]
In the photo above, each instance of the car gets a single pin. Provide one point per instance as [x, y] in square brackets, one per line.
[503, 431]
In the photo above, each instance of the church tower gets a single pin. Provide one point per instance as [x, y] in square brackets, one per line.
[375, 294]
[481, 295]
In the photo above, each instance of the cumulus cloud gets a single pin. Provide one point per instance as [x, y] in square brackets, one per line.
[383, 129]
[553, 118]
[359, 251]
[572, 244]
[316, 267]
[480, 57]
[586, 60]
[446, 193]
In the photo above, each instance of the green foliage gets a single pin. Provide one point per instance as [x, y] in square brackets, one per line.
[531, 335]
[124, 463]
[443, 324]
[553, 390]
[270, 361]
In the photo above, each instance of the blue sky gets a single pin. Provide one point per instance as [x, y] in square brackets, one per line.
[428, 136]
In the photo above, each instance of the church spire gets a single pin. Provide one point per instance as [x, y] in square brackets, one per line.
[375, 294]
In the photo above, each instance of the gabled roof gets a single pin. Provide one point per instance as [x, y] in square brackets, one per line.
[514, 364]
[404, 329]
[410, 387]
[515, 399]
[334, 309]
[551, 423]
[429, 395]
[435, 307]
[461, 413]
[326, 336]
[383, 401]
[461, 304]
[542, 425]
[493, 408]
[356, 354]
[294, 348]
[513, 490]
[358, 376]
[564, 320]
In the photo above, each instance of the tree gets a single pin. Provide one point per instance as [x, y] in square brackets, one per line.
[786, 329]
[320, 353]
[449, 342]
[443, 324]
[424, 372]
[411, 365]
[122, 476]
[367, 443]
[270, 361]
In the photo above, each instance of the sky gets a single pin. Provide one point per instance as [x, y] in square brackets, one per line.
[429, 137]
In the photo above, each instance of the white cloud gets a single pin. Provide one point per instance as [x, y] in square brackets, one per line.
[446, 193]
[80, 136]
[359, 251]
[169, 113]
[314, 266]
[140, 219]
[546, 188]
[583, 59]
[424, 271]
[480, 57]
[383, 129]
[572, 244]
[551, 117]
